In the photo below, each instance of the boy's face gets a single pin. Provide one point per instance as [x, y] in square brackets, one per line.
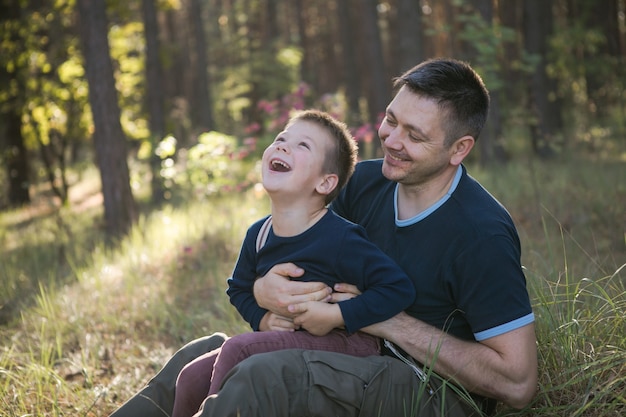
[294, 161]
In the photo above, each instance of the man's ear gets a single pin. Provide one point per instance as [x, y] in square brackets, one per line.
[460, 149]
[327, 184]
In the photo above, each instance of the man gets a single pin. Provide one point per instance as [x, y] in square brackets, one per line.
[471, 323]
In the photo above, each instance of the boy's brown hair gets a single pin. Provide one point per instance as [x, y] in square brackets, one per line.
[341, 158]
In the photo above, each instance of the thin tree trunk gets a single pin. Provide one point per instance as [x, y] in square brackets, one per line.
[601, 63]
[155, 97]
[410, 45]
[12, 145]
[306, 73]
[17, 160]
[201, 108]
[352, 75]
[489, 144]
[544, 109]
[110, 143]
[378, 86]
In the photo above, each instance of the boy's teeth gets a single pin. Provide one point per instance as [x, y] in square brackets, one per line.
[280, 165]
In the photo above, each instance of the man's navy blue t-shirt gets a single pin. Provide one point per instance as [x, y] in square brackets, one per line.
[463, 254]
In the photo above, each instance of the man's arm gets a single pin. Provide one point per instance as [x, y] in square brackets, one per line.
[503, 367]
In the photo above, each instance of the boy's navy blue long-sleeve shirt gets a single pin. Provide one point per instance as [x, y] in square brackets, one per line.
[331, 251]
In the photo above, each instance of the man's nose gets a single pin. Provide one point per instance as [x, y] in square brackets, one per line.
[391, 136]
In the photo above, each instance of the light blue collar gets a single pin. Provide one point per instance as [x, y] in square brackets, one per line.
[429, 210]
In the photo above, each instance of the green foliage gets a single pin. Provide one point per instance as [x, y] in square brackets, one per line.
[266, 76]
[577, 59]
[127, 45]
[488, 39]
[47, 85]
[215, 164]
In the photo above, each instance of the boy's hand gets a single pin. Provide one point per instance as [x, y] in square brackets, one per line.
[317, 317]
[272, 321]
[344, 292]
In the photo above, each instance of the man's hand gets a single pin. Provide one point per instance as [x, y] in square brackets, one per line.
[272, 321]
[275, 291]
[317, 317]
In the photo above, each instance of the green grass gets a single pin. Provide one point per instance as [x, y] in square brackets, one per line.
[84, 326]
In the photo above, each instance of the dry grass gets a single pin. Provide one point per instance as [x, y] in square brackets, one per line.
[91, 324]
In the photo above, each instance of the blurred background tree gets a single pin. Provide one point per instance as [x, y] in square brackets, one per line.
[183, 68]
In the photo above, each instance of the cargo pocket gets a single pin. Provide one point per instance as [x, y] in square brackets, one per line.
[392, 392]
[340, 384]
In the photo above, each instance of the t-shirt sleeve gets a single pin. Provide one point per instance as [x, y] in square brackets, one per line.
[493, 297]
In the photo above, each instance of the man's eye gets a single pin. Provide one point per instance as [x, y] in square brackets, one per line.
[306, 145]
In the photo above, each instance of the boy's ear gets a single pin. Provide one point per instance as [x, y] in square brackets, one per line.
[327, 184]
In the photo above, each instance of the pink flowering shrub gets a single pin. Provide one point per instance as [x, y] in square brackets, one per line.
[221, 163]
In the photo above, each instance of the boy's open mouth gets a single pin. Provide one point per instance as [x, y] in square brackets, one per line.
[280, 166]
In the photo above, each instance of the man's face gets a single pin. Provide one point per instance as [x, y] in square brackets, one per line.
[412, 139]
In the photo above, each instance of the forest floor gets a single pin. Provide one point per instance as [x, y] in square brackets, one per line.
[89, 324]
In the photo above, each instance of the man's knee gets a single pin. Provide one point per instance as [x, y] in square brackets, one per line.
[191, 351]
[204, 344]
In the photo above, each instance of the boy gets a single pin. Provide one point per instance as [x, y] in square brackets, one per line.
[303, 170]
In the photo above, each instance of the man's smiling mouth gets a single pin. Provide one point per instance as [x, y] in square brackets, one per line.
[395, 158]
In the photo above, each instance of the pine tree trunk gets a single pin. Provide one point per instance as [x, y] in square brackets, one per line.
[110, 143]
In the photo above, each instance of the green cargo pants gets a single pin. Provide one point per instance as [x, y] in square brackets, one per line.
[157, 398]
[299, 383]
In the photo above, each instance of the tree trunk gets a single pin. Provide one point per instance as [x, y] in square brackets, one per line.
[16, 159]
[543, 109]
[511, 16]
[306, 73]
[410, 45]
[601, 61]
[110, 143]
[201, 107]
[155, 97]
[352, 75]
[177, 73]
[377, 86]
[12, 147]
[489, 144]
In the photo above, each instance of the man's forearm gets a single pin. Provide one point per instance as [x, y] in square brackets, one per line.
[503, 367]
